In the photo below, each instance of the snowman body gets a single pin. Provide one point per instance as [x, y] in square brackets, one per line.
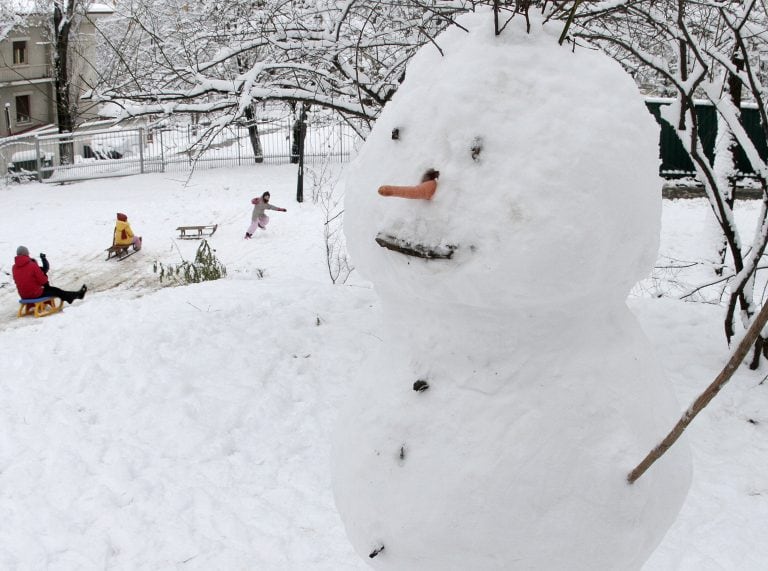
[514, 390]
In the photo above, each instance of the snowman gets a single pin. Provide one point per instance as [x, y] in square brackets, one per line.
[503, 206]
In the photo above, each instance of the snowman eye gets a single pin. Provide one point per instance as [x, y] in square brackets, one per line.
[477, 147]
[395, 134]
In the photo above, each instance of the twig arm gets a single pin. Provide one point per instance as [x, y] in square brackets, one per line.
[704, 398]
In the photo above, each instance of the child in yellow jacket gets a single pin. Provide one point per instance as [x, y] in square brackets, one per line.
[124, 235]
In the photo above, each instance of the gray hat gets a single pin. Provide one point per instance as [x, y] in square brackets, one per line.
[22, 251]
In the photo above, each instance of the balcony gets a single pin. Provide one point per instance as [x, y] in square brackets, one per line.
[24, 73]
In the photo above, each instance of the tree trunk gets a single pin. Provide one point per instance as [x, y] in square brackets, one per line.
[299, 133]
[65, 116]
[253, 134]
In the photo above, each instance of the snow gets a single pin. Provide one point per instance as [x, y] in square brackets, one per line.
[31, 155]
[544, 391]
[149, 428]
[141, 426]
[100, 8]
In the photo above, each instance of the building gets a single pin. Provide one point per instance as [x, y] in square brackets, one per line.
[27, 99]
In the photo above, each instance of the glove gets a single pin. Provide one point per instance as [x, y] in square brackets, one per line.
[46, 265]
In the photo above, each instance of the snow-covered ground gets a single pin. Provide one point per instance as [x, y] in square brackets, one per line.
[160, 428]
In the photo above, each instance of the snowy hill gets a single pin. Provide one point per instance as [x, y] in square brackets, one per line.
[158, 428]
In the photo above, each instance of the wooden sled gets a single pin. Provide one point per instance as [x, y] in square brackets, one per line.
[196, 232]
[441, 252]
[39, 306]
[120, 251]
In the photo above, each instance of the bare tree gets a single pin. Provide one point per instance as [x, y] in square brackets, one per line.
[222, 58]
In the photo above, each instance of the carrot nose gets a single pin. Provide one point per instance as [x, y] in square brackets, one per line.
[425, 190]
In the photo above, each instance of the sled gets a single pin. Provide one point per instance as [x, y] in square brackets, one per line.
[120, 251]
[39, 306]
[440, 252]
[196, 232]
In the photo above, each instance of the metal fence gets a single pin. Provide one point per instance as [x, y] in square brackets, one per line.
[675, 161]
[128, 151]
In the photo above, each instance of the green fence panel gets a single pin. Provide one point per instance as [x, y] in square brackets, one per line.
[750, 118]
[675, 162]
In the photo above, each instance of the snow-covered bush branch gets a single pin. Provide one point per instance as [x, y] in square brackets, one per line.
[206, 267]
[325, 180]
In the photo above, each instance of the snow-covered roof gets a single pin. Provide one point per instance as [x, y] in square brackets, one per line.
[30, 155]
[30, 7]
[100, 8]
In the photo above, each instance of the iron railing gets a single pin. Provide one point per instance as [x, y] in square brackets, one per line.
[128, 151]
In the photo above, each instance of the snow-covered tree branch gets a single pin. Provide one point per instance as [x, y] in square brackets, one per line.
[222, 57]
[10, 16]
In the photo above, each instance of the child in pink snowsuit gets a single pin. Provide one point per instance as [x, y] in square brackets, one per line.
[258, 218]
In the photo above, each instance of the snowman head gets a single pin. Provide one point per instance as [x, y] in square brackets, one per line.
[547, 187]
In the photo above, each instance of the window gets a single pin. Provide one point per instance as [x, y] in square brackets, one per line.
[20, 53]
[23, 111]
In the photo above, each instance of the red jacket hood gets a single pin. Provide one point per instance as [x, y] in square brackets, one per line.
[22, 261]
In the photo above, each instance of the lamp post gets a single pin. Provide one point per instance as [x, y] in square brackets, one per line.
[8, 118]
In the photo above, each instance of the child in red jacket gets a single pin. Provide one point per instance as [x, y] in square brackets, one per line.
[32, 282]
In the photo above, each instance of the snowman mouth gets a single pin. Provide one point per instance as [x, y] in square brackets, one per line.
[408, 248]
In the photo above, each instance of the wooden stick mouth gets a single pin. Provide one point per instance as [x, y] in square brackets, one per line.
[424, 191]
[440, 251]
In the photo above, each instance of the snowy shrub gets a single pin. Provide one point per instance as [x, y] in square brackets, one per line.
[206, 267]
[324, 182]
